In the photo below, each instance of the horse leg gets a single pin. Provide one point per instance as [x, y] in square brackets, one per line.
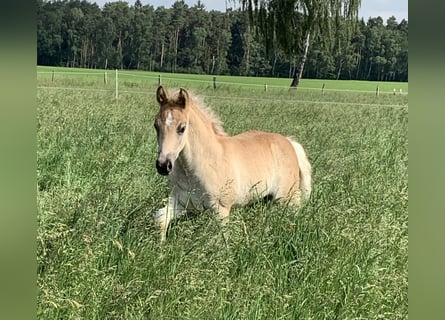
[165, 215]
[293, 197]
[223, 215]
[289, 193]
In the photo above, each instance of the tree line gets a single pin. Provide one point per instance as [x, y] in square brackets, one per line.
[191, 39]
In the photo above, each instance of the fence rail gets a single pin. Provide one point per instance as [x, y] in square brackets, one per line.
[159, 79]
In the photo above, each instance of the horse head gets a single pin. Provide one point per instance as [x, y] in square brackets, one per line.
[171, 128]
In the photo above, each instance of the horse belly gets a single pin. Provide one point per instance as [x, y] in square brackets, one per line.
[251, 191]
[255, 181]
[267, 166]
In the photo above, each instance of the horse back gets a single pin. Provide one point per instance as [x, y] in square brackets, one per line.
[262, 148]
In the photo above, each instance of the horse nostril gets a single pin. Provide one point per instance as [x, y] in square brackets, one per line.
[169, 166]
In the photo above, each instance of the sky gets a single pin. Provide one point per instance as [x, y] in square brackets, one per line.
[369, 8]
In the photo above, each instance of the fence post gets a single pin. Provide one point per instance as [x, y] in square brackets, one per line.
[159, 80]
[214, 83]
[105, 77]
[52, 76]
[265, 87]
[322, 89]
[117, 89]
[377, 91]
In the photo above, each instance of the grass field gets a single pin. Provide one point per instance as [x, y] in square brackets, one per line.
[342, 255]
[132, 79]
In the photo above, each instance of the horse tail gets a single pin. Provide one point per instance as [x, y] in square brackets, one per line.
[305, 169]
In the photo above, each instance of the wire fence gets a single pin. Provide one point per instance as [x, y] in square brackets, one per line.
[121, 82]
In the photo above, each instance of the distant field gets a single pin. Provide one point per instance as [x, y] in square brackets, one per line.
[342, 255]
[225, 81]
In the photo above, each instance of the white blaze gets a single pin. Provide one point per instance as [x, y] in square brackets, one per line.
[169, 120]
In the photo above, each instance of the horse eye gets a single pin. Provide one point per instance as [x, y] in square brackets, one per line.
[181, 128]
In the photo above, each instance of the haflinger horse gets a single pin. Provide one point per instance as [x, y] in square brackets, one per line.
[208, 169]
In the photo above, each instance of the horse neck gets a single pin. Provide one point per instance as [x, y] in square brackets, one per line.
[203, 145]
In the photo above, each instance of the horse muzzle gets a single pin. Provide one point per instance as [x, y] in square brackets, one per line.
[164, 166]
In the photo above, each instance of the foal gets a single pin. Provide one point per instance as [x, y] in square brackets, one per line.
[209, 169]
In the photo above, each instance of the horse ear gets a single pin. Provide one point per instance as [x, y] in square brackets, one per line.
[183, 97]
[161, 96]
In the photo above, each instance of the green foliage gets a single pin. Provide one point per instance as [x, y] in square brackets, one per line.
[285, 24]
[187, 39]
[343, 254]
[289, 25]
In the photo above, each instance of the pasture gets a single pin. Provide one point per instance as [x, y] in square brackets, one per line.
[343, 254]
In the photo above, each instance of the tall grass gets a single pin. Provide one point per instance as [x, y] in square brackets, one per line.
[342, 255]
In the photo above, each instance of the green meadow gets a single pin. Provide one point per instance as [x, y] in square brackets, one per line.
[341, 255]
[131, 78]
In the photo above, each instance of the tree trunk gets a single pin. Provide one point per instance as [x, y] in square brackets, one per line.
[274, 63]
[300, 66]
[339, 69]
[162, 56]
[119, 50]
[359, 59]
[369, 71]
[213, 65]
[176, 49]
